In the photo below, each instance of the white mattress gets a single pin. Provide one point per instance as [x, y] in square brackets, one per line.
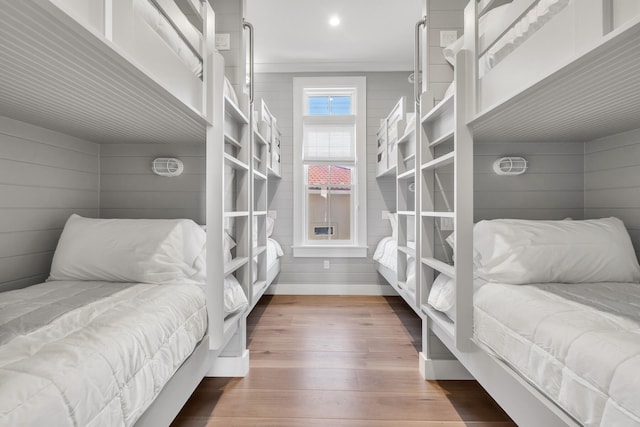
[578, 343]
[92, 353]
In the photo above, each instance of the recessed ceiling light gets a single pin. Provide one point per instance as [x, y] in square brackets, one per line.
[334, 21]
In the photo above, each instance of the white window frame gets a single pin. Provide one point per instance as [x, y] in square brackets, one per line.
[357, 247]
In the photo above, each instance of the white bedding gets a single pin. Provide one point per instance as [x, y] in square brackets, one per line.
[386, 254]
[164, 29]
[274, 251]
[533, 20]
[578, 343]
[92, 353]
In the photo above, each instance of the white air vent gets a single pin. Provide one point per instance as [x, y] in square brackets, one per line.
[165, 166]
[510, 166]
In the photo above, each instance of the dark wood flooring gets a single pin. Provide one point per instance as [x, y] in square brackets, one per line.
[345, 361]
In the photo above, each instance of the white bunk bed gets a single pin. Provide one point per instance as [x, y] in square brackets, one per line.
[117, 71]
[572, 79]
[395, 255]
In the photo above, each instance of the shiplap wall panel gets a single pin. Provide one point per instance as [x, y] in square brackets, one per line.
[445, 15]
[129, 188]
[612, 180]
[383, 91]
[45, 177]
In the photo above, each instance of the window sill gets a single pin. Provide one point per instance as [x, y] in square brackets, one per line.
[326, 251]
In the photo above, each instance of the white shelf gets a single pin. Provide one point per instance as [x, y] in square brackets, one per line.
[259, 250]
[231, 140]
[409, 157]
[443, 160]
[407, 175]
[444, 138]
[234, 111]
[407, 213]
[259, 213]
[389, 172]
[407, 250]
[440, 108]
[236, 214]
[442, 267]
[260, 138]
[234, 265]
[438, 214]
[259, 175]
[235, 163]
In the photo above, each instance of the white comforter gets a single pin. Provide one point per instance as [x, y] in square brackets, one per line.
[579, 343]
[92, 353]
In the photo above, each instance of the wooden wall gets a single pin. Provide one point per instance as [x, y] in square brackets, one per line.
[45, 176]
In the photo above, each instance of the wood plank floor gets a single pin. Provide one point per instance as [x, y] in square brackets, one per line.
[345, 361]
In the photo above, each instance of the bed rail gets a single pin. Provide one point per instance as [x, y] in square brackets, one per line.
[158, 38]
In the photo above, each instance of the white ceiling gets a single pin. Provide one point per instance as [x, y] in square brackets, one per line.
[295, 35]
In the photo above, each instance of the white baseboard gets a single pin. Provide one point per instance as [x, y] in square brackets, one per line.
[223, 366]
[431, 369]
[330, 289]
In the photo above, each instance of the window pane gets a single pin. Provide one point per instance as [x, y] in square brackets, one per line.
[329, 142]
[318, 105]
[329, 198]
[340, 105]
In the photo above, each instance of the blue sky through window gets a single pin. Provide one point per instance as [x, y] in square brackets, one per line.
[324, 105]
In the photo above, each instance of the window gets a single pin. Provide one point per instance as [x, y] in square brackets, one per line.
[330, 167]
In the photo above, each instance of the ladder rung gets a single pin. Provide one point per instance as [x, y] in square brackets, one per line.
[442, 267]
[439, 214]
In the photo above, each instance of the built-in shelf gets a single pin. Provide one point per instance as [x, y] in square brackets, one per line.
[438, 214]
[234, 111]
[409, 157]
[235, 163]
[259, 250]
[231, 140]
[444, 138]
[259, 137]
[259, 175]
[441, 161]
[407, 135]
[439, 109]
[407, 250]
[442, 267]
[236, 214]
[389, 172]
[439, 318]
[259, 213]
[234, 264]
[407, 213]
[407, 175]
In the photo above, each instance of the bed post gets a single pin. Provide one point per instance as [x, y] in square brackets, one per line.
[465, 107]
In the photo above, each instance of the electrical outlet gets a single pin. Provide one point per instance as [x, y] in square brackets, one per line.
[446, 224]
[326, 264]
[447, 37]
[223, 41]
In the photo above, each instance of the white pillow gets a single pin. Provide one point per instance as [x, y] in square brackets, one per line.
[270, 223]
[520, 251]
[234, 297]
[442, 296]
[129, 250]
[229, 91]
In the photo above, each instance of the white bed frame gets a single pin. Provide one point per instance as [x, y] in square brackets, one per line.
[557, 77]
[112, 77]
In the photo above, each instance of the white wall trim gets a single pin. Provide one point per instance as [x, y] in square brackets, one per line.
[330, 289]
[443, 369]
